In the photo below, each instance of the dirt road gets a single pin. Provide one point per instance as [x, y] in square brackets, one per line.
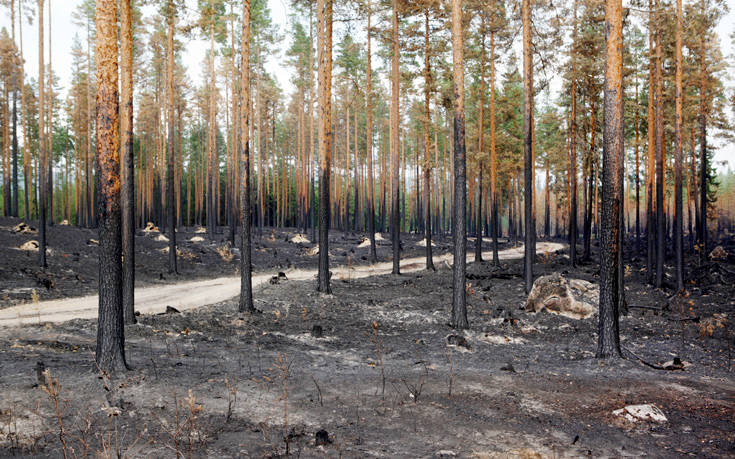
[194, 294]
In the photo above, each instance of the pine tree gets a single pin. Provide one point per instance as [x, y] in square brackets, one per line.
[127, 162]
[459, 300]
[110, 352]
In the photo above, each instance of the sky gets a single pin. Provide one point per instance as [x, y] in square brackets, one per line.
[63, 31]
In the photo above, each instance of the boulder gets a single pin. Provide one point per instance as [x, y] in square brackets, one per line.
[150, 228]
[573, 298]
[637, 413]
[313, 251]
[422, 243]
[196, 239]
[364, 243]
[23, 228]
[29, 245]
[300, 239]
[718, 253]
[161, 238]
[200, 230]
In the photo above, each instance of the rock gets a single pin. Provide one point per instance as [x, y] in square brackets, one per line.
[445, 453]
[300, 239]
[273, 280]
[23, 228]
[161, 238]
[282, 276]
[313, 251]
[317, 331]
[200, 230]
[636, 413]
[31, 245]
[573, 298]
[321, 438]
[172, 310]
[64, 222]
[718, 253]
[196, 239]
[508, 367]
[364, 243]
[458, 340]
[150, 228]
[422, 243]
[93, 242]
[379, 237]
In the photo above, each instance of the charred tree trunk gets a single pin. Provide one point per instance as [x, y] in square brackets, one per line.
[459, 222]
[678, 206]
[528, 144]
[246, 284]
[110, 352]
[42, 153]
[170, 192]
[324, 39]
[573, 151]
[395, 212]
[608, 333]
[427, 146]
[660, 221]
[127, 172]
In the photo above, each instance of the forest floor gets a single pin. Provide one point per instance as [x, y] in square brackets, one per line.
[212, 382]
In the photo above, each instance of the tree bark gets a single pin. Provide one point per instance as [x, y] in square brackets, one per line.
[459, 305]
[703, 167]
[324, 42]
[42, 170]
[170, 192]
[127, 172]
[395, 215]
[110, 351]
[246, 284]
[495, 224]
[678, 211]
[573, 151]
[427, 146]
[608, 344]
[528, 143]
[660, 220]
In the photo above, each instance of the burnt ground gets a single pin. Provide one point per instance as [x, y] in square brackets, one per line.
[210, 382]
[73, 269]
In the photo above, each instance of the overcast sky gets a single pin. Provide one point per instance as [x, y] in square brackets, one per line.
[63, 31]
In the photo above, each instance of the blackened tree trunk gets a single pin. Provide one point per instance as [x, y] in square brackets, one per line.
[324, 42]
[110, 352]
[42, 153]
[650, 174]
[170, 192]
[369, 143]
[459, 223]
[127, 174]
[573, 151]
[703, 166]
[528, 144]
[480, 145]
[246, 283]
[395, 211]
[427, 145]
[608, 344]
[660, 221]
[495, 224]
[678, 203]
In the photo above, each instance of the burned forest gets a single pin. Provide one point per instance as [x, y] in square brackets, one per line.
[370, 228]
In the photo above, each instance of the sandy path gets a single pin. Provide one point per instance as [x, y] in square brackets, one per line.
[194, 294]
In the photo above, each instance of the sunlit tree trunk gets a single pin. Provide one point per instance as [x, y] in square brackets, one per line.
[703, 165]
[110, 351]
[480, 146]
[427, 145]
[324, 44]
[608, 344]
[459, 305]
[650, 174]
